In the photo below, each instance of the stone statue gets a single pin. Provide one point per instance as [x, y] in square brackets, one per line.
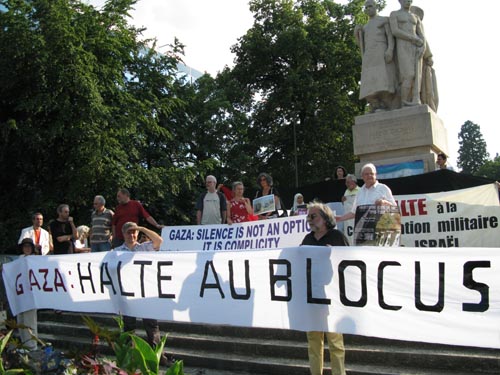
[378, 72]
[407, 29]
[428, 89]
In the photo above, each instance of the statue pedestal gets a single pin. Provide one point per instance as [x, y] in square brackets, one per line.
[402, 135]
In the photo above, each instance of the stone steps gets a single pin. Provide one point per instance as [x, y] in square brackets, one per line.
[279, 352]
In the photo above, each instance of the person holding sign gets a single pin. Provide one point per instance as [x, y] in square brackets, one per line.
[265, 183]
[372, 192]
[239, 208]
[323, 233]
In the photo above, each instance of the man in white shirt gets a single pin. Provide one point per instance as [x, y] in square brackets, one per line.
[40, 236]
[211, 207]
[372, 192]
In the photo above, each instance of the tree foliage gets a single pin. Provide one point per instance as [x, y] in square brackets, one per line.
[300, 67]
[472, 152]
[85, 107]
[490, 169]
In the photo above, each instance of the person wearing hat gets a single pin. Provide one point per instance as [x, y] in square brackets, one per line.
[130, 232]
[28, 318]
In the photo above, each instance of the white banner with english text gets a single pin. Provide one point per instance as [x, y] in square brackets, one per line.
[440, 295]
[261, 234]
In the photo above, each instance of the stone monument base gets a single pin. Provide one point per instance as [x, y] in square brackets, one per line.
[398, 136]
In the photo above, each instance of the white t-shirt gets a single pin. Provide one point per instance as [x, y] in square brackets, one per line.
[211, 209]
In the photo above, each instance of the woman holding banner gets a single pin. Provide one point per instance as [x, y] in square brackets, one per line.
[323, 233]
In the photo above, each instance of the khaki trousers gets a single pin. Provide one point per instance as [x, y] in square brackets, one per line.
[335, 341]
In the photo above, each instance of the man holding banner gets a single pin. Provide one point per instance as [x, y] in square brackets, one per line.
[371, 194]
[130, 232]
[323, 233]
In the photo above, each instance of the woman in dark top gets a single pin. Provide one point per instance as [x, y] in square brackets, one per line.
[265, 183]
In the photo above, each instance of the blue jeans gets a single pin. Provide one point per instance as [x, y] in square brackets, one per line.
[102, 246]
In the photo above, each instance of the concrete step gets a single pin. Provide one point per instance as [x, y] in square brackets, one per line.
[270, 351]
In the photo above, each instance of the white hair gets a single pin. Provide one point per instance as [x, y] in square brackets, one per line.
[369, 166]
[211, 178]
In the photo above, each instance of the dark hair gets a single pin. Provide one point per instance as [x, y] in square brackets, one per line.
[124, 191]
[443, 155]
[343, 170]
[28, 241]
[268, 178]
[35, 215]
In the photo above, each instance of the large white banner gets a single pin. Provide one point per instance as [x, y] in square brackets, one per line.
[440, 295]
[460, 218]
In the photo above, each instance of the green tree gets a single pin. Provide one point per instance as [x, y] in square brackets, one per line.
[472, 153]
[300, 66]
[490, 169]
[84, 108]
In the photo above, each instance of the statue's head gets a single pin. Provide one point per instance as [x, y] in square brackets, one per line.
[405, 3]
[371, 8]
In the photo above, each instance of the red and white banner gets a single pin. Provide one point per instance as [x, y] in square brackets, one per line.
[459, 218]
[440, 295]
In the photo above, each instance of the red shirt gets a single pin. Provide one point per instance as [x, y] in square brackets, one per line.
[130, 211]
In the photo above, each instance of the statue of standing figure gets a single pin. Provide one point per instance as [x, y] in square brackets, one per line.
[428, 88]
[378, 72]
[397, 61]
[410, 46]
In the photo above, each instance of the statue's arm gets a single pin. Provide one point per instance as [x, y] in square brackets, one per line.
[358, 35]
[389, 53]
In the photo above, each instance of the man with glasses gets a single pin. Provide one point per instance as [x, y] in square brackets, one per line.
[323, 233]
[211, 207]
[101, 219]
[63, 231]
[40, 237]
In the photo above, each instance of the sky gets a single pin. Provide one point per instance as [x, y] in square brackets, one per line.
[462, 35]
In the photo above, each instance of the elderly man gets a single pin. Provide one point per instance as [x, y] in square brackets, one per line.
[63, 231]
[128, 210]
[372, 192]
[40, 236]
[211, 207]
[101, 219]
[130, 232]
[323, 233]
